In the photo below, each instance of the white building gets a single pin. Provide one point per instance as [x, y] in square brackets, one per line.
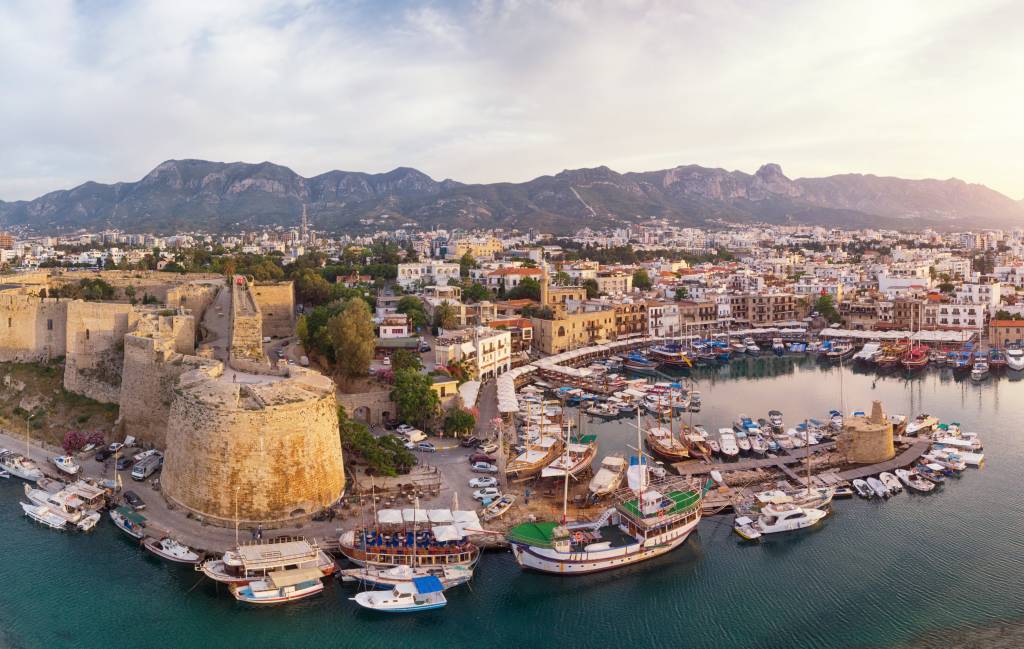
[426, 272]
[663, 319]
[486, 351]
[957, 316]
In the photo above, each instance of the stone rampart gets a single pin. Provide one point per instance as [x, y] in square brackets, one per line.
[32, 329]
[95, 348]
[276, 302]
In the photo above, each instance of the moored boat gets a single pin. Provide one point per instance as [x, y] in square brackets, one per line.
[129, 521]
[280, 587]
[421, 594]
[891, 482]
[775, 519]
[387, 578]
[640, 364]
[67, 464]
[608, 477]
[252, 561]
[980, 371]
[1015, 359]
[914, 481]
[19, 466]
[43, 515]
[172, 550]
[664, 445]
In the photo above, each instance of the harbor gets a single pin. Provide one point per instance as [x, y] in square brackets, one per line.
[707, 573]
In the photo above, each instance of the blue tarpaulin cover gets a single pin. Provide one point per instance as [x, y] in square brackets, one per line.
[426, 585]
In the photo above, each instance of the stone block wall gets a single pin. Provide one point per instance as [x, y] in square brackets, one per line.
[246, 324]
[369, 407]
[276, 302]
[95, 348]
[32, 329]
[194, 297]
[271, 448]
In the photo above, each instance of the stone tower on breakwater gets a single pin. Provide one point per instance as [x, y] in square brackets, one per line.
[867, 439]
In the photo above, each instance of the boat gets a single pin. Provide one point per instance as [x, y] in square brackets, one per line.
[19, 466]
[963, 360]
[980, 371]
[576, 458]
[744, 526]
[817, 497]
[670, 355]
[758, 445]
[878, 488]
[727, 439]
[388, 578]
[67, 464]
[421, 594]
[842, 492]
[838, 350]
[775, 424]
[774, 519]
[743, 442]
[891, 482]
[862, 489]
[914, 481]
[1015, 359]
[129, 521]
[714, 447]
[280, 586]
[532, 461]
[916, 358]
[868, 354]
[778, 346]
[639, 364]
[77, 504]
[608, 477]
[604, 410]
[497, 508]
[922, 424]
[997, 359]
[397, 540]
[664, 445]
[44, 515]
[751, 347]
[257, 560]
[935, 473]
[172, 550]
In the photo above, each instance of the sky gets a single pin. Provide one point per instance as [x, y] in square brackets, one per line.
[506, 91]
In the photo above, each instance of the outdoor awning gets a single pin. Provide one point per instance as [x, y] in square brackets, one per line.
[283, 578]
[414, 515]
[389, 517]
[447, 533]
[440, 515]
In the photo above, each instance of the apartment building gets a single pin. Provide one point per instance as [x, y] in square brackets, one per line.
[486, 352]
[614, 282]
[423, 273]
[573, 330]
[763, 309]
[663, 319]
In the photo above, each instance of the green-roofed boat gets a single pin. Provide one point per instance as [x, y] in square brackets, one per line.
[645, 522]
[129, 521]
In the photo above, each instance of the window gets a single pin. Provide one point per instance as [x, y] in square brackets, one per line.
[87, 334]
[49, 325]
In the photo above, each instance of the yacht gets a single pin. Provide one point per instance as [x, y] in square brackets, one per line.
[172, 550]
[727, 441]
[1015, 359]
[19, 466]
[778, 346]
[421, 594]
[980, 371]
[778, 518]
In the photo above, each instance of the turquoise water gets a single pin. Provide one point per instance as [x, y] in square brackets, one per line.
[917, 570]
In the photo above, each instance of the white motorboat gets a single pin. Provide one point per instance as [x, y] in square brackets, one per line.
[43, 514]
[727, 441]
[967, 457]
[421, 594]
[743, 442]
[878, 488]
[253, 561]
[891, 482]
[862, 489]
[172, 550]
[914, 481]
[1015, 359]
[746, 528]
[786, 518]
[67, 464]
[980, 371]
[4, 474]
[19, 466]
[280, 586]
[70, 505]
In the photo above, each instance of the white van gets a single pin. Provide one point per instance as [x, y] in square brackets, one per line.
[415, 435]
[147, 466]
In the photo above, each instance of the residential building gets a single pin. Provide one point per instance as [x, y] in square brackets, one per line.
[573, 330]
[1003, 333]
[422, 273]
[663, 319]
[485, 352]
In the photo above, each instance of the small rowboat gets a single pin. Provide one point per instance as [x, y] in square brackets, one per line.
[172, 550]
[498, 507]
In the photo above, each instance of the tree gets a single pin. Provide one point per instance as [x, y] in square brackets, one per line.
[386, 455]
[826, 308]
[946, 287]
[562, 278]
[312, 288]
[405, 359]
[411, 306]
[682, 293]
[445, 316]
[459, 422]
[417, 402]
[1003, 314]
[527, 288]
[466, 262]
[351, 335]
[641, 280]
[474, 292]
[592, 288]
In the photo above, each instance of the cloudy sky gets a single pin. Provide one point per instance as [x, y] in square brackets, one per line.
[492, 90]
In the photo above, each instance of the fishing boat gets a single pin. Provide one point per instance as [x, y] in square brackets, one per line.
[19, 466]
[497, 508]
[697, 440]
[963, 360]
[743, 442]
[280, 587]
[714, 447]
[421, 594]
[603, 410]
[576, 458]
[997, 359]
[727, 440]
[608, 477]
[532, 461]
[67, 464]
[980, 371]
[879, 489]
[388, 578]
[670, 355]
[257, 560]
[758, 445]
[664, 445]
[751, 347]
[129, 521]
[914, 481]
[935, 473]
[639, 364]
[775, 519]
[891, 482]
[862, 489]
[1015, 359]
[890, 356]
[72, 503]
[172, 550]
[838, 350]
[44, 515]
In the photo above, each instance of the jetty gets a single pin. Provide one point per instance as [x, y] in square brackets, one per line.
[693, 467]
[917, 448]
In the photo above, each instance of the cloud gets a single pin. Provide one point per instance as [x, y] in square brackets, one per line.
[510, 90]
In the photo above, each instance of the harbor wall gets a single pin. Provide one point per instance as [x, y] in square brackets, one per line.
[270, 449]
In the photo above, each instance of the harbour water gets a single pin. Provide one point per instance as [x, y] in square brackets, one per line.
[939, 570]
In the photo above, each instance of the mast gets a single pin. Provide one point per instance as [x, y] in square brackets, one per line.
[641, 469]
[415, 520]
[565, 468]
[807, 446]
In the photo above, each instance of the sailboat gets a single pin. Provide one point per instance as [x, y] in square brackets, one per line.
[645, 522]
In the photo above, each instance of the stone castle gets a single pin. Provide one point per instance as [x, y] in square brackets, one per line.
[189, 375]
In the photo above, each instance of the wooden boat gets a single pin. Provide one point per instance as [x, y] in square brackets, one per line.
[608, 477]
[497, 508]
[421, 594]
[77, 510]
[257, 560]
[43, 515]
[172, 550]
[129, 521]
[640, 364]
[532, 461]
[280, 587]
[916, 358]
[665, 446]
[376, 547]
[388, 578]
[67, 464]
[576, 458]
[914, 481]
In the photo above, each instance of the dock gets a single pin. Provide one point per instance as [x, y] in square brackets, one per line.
[906, 458]
[797, 455]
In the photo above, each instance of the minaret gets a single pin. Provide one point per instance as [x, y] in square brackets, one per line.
[304, 232]
[543, 283]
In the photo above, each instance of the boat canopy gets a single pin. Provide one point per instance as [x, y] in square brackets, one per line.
[426, 585]
[131, 515]
[285, 578]
[389, 516]
[447, 533]
[410, 515]
[276, 553]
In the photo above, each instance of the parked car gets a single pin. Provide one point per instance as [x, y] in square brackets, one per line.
[134, 501]
[115, 447]
[103, 454]
[480, 483]
[426, 447]
[391, 424]
[470, 442]
[123, 463]
[410, 445]
[489, 447]
[424, 349]
[481, 457]
[484, 467]
[484, 494]
[404, 429]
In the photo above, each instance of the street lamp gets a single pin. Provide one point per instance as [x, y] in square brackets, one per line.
[28, 448]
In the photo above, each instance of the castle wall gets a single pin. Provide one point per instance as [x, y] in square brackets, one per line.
[277, 443]
[276, 302]
[95, 348]
[32, 329]
[194, 297]
[246, 324]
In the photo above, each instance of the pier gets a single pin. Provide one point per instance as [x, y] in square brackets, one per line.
[692, 468]
[906, 458]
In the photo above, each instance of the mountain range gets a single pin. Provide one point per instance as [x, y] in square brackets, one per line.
[190, 195]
